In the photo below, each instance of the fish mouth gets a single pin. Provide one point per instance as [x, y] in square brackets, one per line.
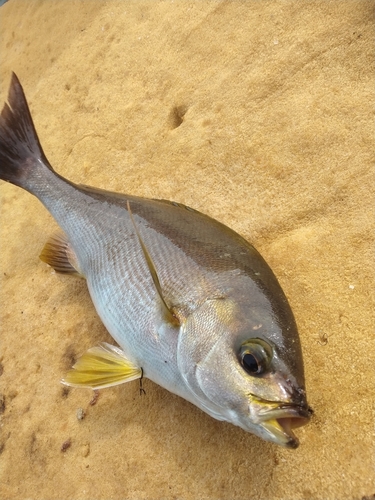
[279, 419]
[280, 430]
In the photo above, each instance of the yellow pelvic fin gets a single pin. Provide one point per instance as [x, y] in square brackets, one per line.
[58, 253]
[168, 313]
[102, 366]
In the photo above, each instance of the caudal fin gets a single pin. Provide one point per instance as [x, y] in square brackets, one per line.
[20, 150]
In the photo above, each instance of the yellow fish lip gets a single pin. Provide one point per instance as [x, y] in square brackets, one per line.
[279, 418]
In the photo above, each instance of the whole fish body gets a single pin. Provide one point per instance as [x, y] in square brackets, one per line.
[193, 306]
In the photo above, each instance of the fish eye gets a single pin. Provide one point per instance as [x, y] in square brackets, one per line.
[255, 356]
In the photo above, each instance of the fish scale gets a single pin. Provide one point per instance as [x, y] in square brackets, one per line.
[192, 305]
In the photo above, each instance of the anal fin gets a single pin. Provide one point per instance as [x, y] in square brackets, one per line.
[102, 366]
[58, 253]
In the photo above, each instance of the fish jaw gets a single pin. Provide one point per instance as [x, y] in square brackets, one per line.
[272, 421]
[276, 420]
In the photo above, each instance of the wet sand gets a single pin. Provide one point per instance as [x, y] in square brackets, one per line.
[256, 113]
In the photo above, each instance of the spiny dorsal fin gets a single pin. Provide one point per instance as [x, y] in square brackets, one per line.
[102, 366]
[59, 254]
[168, 313]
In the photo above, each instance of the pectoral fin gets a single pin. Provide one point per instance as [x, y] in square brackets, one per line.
[59, 254]
[154, 275]
[102, 366]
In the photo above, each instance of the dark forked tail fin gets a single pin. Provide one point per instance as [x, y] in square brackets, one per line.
[20, 150]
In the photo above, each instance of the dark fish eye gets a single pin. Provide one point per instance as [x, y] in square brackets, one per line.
[255, 356]
[250, 363]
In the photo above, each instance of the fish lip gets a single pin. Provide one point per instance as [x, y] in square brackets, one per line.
[279, 418]
[280, 434]
[284, 410]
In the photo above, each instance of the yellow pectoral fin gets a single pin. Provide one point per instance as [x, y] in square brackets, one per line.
[102, 366]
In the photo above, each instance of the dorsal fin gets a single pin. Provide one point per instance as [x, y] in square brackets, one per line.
[154, 275]
[59, 254]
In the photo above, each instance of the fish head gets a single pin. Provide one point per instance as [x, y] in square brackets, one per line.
[241, 367]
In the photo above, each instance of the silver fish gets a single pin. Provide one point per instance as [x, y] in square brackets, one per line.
[193, 306]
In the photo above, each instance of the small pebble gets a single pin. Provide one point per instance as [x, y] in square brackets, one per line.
[80, 414]
[94, 398]
[66, 444]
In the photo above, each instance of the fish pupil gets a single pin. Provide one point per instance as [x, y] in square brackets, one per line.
[250, 363]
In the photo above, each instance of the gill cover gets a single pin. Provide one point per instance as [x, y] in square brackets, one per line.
[197, 355]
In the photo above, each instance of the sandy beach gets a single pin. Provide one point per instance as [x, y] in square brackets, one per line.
[257, 113]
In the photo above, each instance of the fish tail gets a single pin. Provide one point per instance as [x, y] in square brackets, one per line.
[21, 155]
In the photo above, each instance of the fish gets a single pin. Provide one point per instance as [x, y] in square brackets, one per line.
[190, 303]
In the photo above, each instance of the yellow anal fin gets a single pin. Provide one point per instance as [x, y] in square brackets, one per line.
[102, 366]
[58, 253]
[154, 275]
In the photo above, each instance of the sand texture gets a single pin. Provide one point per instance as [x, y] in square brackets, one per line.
[258, 113]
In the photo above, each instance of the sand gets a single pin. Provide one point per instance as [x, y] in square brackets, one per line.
[258, 113]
